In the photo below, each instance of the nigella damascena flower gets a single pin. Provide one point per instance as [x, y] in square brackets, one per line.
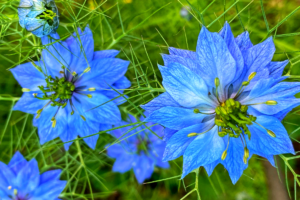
[38, 16]
[64, 88]
[21, 180]
[139, 149]
[223, 103]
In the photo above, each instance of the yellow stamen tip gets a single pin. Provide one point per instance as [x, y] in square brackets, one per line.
[251, 76]
[82, 117]
[92, 89]
[15, 192]
[217, 82]
[9, 187]
[192, 134]
[39, 111]
[271, 103]
[34, 94]
[25, 90]
[89, 96]
[74, 73]
[245, 160]
[54, 123]
[38, 116]
[271, 133]
[224, 154]
[246, 152]
[87, 70]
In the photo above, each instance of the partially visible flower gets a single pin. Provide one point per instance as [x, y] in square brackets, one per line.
[70, 90]
[21, 180]
[141, 150]
[224, 103]
[38, 16]
[185, 13]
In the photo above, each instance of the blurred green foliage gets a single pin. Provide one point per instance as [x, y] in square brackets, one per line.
[142, 30]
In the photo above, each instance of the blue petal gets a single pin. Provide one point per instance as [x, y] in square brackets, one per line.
[17, 162]
[258, 56]
[189, 63]
[45, 130]
[50, 176]
[175, 117]
[27, 103]
[82, 50]
[210, 167]
[143, 168]
[281, 115]
[271, 159]
[178, 143]
[243, 41]
[160, 101]
[24, 8]
[28, 76]
[234, 160]
[183, 53]
[115, 151]
[122, 83]
[124, 163]
[276, 68]
[111, 53]
[186, 88]
[33, 24]
[263, 144]
[56, 54]
[7, 175]
[233, 48]
[215, 59]
[204, 150]
[49, 190]
[107, 112]
[168, 133]
[28, 177]
[104, 72]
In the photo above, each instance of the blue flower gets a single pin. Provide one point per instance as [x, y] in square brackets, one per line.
[21, 180]
[138, 149]
[223, 103]
[64, 87]
[38, 16]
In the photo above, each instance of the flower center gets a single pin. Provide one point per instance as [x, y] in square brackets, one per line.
[142, 146]
[232, 119]
[60, 91]
[47, 15]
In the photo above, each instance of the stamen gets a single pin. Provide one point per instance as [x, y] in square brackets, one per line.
[15, 192]
[224, 154]
[9, 187]
[83, 117]
[53, 122]
[245, 83]
[92, 89]
[271, 103]
[25, 90]
[89, 95]
[271, 133]
[192, 134]
[87, 70]
[196, 134]
[251, 76]
[217, 83]
[34, 94]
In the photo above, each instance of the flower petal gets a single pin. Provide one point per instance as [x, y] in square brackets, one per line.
[111, 53]
[49, 190]
[50, 176]
[17, 162]
[27, 103]
[28, 177]
[204, 150]
[276, 68]
[28, 76]
[143, 168]
[160, 101]
[124, 163]
[263, 144]
[104, 72]
[179, 142]
[215, 59]
[175, 117]
[82, 47]
[186, 88]
[243, 41]
[183, 53]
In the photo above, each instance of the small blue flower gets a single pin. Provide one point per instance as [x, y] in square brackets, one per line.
[65, 86]
[21, 180]
[223, 103]
[38, 16]
[141, 150]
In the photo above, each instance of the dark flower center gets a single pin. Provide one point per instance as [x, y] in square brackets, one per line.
[142, 146]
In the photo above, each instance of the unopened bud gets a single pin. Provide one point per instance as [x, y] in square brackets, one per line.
[271, 103]
[271, 133]
[192, 134]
